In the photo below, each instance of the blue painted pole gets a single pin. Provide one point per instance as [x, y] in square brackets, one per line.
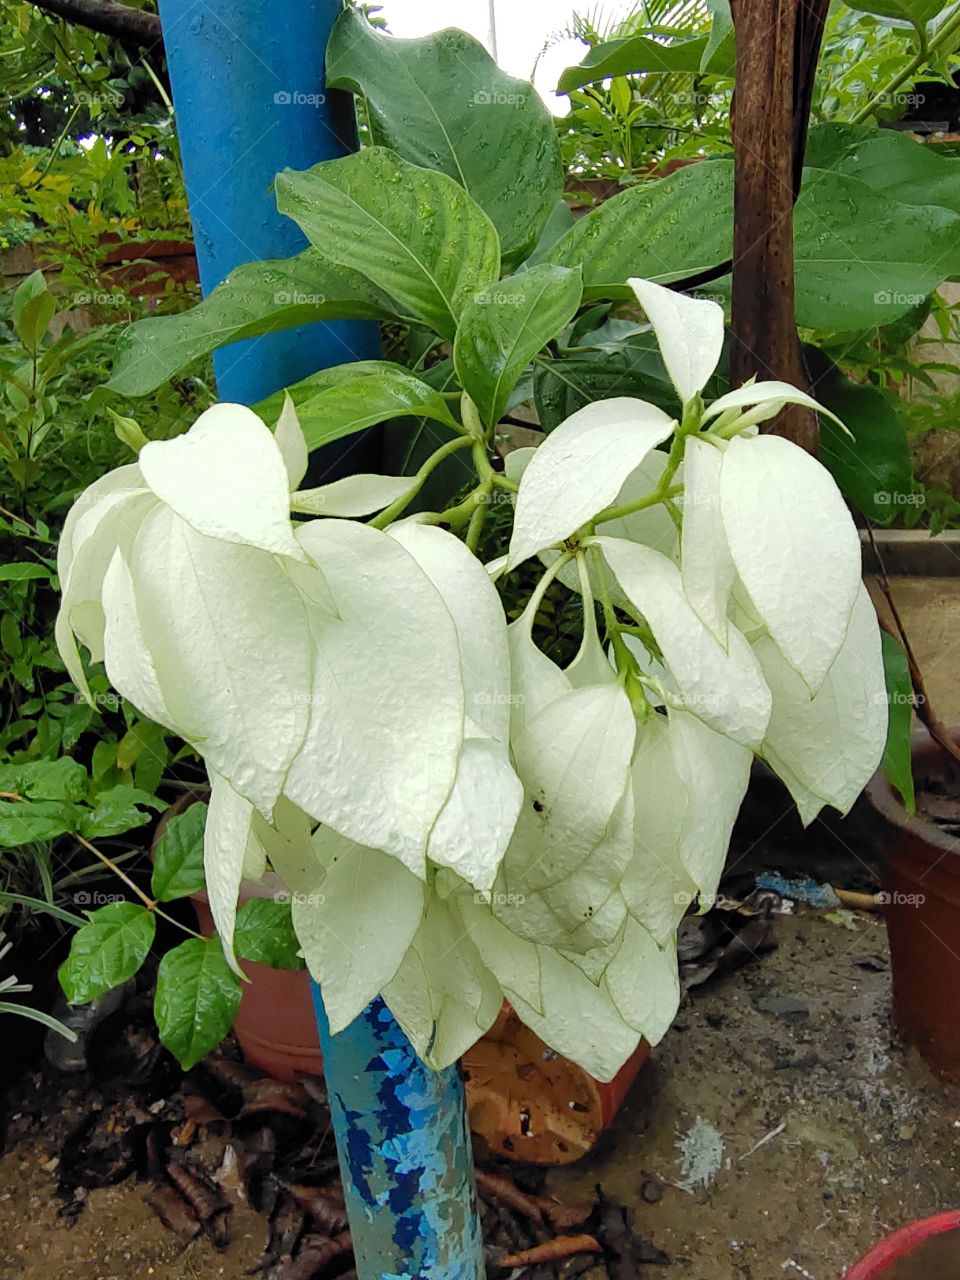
[248, 90]
[404, 1152]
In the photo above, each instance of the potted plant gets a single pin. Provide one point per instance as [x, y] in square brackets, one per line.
[916, 805]
[459, 819]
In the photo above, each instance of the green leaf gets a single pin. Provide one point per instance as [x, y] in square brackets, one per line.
[721, 51]
[891, 162]
[634, 55]
[178, 857]
[196, 1000]
[414, 233]
[264, 933]
[442, 102]
[915, 12]
[334, 403]
[863, 259]
[504, 326]
[108, 950]
[897, 755]
[663, 231]
[39, 820]
[257, 298]
[117, 810]
[63, 779]
[875, 469]
[22, 571]
[33, 308]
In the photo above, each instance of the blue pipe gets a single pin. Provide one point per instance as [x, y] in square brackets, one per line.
[404, 1150]
[248, 89]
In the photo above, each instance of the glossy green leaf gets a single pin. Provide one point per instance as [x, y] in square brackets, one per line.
[337, 402]
[33, 308]
[662, 231]
[63, 779]
[256, 298]
[915, 12]
[887, 160]
[442, 102]
[412, 232]
[22, 571]
[108, 950]
[504, 326]
[874, 470]
[33, 821]
[863, 259]
[264, 933]
[178, 856]
[721, 51]
[196, 1000]
[897, 755]
[634, 55]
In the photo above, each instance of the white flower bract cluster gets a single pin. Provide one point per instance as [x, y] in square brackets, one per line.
[459, 819]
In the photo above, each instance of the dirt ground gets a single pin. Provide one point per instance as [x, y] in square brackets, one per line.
[832, 1134]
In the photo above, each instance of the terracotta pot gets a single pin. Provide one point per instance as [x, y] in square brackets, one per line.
[921, 877]
[933, 1247]
[276, 1027]
[529, 1103]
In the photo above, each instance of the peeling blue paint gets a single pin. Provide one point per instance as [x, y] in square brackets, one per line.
[405, 1153]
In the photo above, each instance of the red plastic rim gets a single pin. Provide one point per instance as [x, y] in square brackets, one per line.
[901, 1244]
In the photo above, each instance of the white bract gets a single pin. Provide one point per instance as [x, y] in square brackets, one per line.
[460, 819]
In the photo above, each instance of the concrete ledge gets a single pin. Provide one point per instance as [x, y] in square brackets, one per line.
[913, 553]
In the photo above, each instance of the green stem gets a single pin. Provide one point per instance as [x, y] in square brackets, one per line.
[653, 499]
[398, 507]
[150, 903]
[948, 31]
[475, 527]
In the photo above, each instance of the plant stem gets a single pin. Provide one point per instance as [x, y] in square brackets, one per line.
[475, 527]
[398, 507]
[653, 499]
[145, 898]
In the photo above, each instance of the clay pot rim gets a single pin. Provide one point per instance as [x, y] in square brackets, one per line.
[881, 795]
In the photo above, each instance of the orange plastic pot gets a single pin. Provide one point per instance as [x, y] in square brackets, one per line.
[921, 881]
[927, 1250]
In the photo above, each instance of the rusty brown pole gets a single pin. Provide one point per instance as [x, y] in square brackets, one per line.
[778, 44]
